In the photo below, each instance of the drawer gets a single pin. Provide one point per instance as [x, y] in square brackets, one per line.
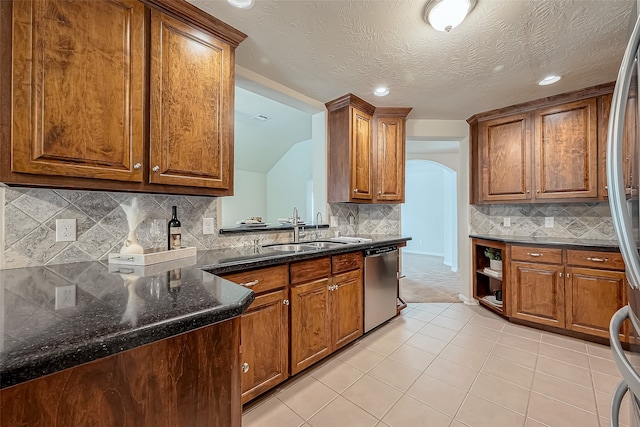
[346, 262]
[594, 259]
[262, 280]
[536, 254]
[306, 271]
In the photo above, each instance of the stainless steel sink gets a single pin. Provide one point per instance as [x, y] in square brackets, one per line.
[292, 247]
[325, 245]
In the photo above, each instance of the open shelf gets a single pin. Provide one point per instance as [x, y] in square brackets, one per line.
[484, 284]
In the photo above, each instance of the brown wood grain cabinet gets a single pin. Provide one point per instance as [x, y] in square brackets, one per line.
[347, 308]
[192, 379]
[125, 103]
[506, 158]
[566, 160]
[538, 293]
[366, 152]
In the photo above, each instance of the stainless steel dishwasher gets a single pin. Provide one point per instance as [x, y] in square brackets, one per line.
[380, 285]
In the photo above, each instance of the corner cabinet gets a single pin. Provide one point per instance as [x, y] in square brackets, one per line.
[147, 105]
[366, 152]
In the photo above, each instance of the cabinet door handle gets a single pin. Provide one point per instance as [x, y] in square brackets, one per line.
[250, 284]
[286, 302]
[137, 166]
[595, 259]
[534, 254]
[606, 187]
[537, 191]
[355, 190]
[379, 193]
[245, 367]
[156, 168]
[568, 275]
[528, 191]
[560, 274]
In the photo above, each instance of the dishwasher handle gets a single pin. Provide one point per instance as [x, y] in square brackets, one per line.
[379, 251]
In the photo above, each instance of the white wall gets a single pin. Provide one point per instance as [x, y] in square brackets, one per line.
[452, 130]
[423, 214]
[250, 198]
[450, 225]
[319, 159]
[288, 183]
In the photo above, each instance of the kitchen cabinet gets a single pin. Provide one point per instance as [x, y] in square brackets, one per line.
[630, 163]
[506, 158]
[77, 101]
[366, 152]
[347, 308]
[264, 330]
[147, 105]
[566, 151]
[538, 293]
[547, 150]
[485, 284]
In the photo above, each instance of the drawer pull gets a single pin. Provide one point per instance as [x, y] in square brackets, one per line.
[245, 367]
[250, 284]
[594, 259]
[534, 254]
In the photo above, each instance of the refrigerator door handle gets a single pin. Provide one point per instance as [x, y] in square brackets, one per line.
[620, 216]
[616, 402]
[629, 374]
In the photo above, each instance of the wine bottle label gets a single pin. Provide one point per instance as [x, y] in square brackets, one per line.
[175, 239]
[175, 230]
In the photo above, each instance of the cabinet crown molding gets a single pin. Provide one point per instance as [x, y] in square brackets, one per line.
[392, 111]
[350, 99]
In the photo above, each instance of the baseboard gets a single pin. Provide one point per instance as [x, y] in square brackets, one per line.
[466, 300]
[409, 251]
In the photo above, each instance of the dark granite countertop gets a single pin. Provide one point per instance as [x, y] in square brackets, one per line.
[59, 316]
[610, 245]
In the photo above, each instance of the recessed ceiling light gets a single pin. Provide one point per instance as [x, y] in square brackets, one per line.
[260, 117]
[242, 4]
[548, 80]
[381, 91]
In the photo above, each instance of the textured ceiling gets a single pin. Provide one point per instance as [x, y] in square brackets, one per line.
[326, 48]
[259, 145]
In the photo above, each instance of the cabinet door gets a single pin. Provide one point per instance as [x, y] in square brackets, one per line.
[347, 308]
[506, 159]
[191, 124]
[537, 293]
[361, 156]
[265, 344]
[566, 151]
[78, 74]
[391, 159]
[592, 297]
[629, 142]
[310, 324]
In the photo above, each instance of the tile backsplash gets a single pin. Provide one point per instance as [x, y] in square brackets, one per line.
[571, 220]
[30, 216]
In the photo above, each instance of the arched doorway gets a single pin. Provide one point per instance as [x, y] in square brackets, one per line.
[429, 216]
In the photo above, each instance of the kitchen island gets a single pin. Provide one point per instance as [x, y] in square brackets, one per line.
[97, 344]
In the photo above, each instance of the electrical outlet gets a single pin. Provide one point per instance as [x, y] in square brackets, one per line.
[548, 222]
[65, 230]
[65, 296]
[506, 221]
[207, 226]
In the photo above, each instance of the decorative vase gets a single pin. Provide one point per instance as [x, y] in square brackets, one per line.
[132, 245]
[495, 264]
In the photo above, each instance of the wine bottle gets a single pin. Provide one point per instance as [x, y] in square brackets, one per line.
[175, 233]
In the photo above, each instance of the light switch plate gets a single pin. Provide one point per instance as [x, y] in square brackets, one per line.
[548, 222]
[208, 226]
[65, 230]
[506, 221]
[65, 296]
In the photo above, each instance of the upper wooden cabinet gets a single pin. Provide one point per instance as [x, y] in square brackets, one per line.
[190, 106]
[366, 152]
[566, 162]
[86, 111]
[77, 88]
[541, 151]
[506, 158]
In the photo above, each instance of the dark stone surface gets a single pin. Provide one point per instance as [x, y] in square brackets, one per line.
[605, 245]
[118, 307]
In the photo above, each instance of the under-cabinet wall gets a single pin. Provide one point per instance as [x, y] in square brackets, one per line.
[571, 220]
[27, 236]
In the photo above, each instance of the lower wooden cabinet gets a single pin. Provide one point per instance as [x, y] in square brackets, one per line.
[538, 293]
[347, 302]
[592, 297]
[310, 324]
[265, 344]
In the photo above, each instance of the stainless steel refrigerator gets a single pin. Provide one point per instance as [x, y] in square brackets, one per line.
[623, 157]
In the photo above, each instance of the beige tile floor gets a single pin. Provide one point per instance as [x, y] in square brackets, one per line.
[442, 364]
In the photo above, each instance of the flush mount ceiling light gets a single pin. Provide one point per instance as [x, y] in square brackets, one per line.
[381, 91]
[242, 4]
[548, 80]
[444, 15]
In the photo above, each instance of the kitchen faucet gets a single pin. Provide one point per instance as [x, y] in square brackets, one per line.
[296, 226]
[318, 221]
